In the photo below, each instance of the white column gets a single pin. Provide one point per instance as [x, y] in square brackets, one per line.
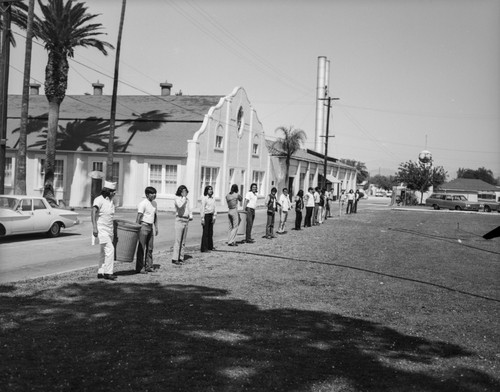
[192, 171]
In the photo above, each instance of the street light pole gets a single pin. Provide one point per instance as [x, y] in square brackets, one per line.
[329, 99]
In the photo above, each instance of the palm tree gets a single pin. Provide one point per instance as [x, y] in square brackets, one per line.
[289, 144]
[63, 27]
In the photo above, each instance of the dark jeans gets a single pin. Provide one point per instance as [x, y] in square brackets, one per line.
[270, 224]
[309, 213]
[349, 207]
[298, 219]
[207, 238]
[145, 247]
[250, 218]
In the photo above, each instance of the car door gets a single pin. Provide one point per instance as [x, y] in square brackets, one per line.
[22, 222]
[448, 202]
[42, 217]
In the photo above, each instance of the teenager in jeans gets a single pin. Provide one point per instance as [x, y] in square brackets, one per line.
[249, 206]
[299, 206]
[272, 206]
[232, 199]
[146, 217]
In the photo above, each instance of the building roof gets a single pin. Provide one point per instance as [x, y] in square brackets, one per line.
[305, 155]
[168, 122]
[468, 184]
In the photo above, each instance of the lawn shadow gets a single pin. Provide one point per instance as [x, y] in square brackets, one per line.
[120, 336]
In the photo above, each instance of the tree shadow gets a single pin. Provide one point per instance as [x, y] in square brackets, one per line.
[120, 336]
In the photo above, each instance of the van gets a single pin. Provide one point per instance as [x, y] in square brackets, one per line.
[451, 201]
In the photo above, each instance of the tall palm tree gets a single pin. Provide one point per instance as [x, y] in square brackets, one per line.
[62, 27]
[289, 144]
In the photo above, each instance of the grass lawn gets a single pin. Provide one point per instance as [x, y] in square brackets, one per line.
[375, 301]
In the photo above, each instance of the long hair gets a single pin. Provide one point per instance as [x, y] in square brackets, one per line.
[207, 188]
[252, 186]
[300, 193]
[180, 189]
[234, 189]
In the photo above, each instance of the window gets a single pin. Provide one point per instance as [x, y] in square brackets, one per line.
[98, 166]
[219, 137]
[258, 178]
[311, 180]
[8, 176]
[209, 177]
[255, 145]
[38, 205]
[218, 142]
[302, 180]
[58, 173]
[240, 121]
[163, 178]
[26, 205]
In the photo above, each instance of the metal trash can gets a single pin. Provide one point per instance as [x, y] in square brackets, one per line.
[242, 228]
[126, 236]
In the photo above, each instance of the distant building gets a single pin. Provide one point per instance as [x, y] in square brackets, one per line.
[471, 188]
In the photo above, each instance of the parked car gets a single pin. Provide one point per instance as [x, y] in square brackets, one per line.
[488, 205]
[31, 214]
[379, 194]
[451, 201]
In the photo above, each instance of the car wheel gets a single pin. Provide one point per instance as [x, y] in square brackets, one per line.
[458, 208]
[54, 230]
[487, 209]
[436, 207]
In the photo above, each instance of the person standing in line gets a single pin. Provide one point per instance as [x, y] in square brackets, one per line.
[208, 214]
[285, 205]
[350, 202]
[232, 199]
[272, 206]
[328, 213]
[299, 206]
[146, 217]
[321, 206]
[183, 215]
[249, 206]
[356, 199]
[316, 206]
[309, 202]
[102, 214]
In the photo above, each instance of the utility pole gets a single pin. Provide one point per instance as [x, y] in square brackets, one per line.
[329, 105]
[4, 82]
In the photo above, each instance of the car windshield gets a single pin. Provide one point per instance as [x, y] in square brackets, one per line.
[8, 202]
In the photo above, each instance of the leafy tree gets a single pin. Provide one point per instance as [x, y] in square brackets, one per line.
[289, 144]
[481, 174]
[384, 182]
[360, 168]
[420, 177]
[62, 27]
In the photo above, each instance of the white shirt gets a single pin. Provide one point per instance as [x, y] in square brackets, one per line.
[105, 218]
[252, 200]
[285, 202]
[310, 200]
[148, 210]
[207, 206]
[182, 209]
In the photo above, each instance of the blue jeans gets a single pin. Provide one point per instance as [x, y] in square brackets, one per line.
[145, 247]
[250, 219]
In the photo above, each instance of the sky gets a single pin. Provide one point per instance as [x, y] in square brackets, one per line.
[410, 75]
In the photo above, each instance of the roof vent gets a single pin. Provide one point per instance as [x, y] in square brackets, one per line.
[166, 88]
[97, 88]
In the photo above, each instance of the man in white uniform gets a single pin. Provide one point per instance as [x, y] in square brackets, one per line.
[285, 204]
[103, 211]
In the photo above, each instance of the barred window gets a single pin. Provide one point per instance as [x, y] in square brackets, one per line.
[163, 178]
[209, 176]
[9, 174]
[258, 178]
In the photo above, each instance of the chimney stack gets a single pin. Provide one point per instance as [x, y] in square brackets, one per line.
[97, 88]
[34, 89]
[321, 110]
[166, 88]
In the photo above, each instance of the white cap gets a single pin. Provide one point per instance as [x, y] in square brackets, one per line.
[110, 185]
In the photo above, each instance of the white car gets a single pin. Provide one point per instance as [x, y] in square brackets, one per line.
[31, 214]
